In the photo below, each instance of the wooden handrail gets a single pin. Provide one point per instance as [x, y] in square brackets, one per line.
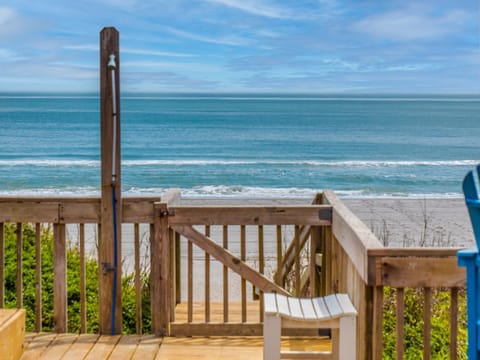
[353, 235]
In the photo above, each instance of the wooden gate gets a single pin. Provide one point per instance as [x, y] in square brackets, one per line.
[245, 250]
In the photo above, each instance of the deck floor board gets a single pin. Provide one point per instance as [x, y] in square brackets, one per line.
[47, 346]
[147, 347]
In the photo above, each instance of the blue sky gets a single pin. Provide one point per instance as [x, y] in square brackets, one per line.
[321, 46]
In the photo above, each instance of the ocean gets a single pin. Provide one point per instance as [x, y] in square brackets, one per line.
[243, 146]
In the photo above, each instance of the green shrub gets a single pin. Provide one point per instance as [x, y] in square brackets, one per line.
[73, 284]
[413, 324]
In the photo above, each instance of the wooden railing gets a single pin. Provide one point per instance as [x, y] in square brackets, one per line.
[427, 271]
[209, 265]
[355, 262]
[45, 214]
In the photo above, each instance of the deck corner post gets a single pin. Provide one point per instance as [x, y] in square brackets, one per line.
[160, 283]
[109, 247]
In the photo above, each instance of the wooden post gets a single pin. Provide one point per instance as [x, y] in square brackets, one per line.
[160, 290]
[110, 301]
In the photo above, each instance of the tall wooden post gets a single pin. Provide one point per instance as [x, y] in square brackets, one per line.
[110, 307]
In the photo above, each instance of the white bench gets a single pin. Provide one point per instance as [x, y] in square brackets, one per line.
[329, 312]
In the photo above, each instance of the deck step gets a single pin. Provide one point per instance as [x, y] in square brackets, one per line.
[12, 333]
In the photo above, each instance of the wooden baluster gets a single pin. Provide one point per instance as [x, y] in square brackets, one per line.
[225, 277]
[60, 278]
[83, 282]
[278, 275]
[400, 323]
[172, 274]
[207, 279]
[378, 322]
[38, 279]
[298, 283]
[243, 255]
[137, 280]
[178, 268]
[19, 283]
[261, 265]
[453, 322]
[315, 248]
[190, 281]
[427, 318]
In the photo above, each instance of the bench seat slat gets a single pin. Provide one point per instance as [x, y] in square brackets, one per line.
[346, 305]
[282, 304]
[320, 308]
[333, 306]
[308, 310]
[270, 303]
[295, 308]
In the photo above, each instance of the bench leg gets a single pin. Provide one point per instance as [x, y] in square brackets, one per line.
[347, 340]
[272, 331]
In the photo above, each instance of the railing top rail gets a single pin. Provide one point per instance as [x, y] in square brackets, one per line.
[413, 252]
[315, 215]
[141, 209]
[16, 199]
[71, 209]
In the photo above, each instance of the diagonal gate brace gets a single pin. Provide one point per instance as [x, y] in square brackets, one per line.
[229, 260]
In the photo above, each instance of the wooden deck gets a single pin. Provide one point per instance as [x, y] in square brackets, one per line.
[89, 346]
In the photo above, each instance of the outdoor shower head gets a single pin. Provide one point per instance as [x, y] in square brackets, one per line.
[111, 63]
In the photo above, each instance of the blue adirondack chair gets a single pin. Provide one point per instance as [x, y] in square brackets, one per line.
[470, 259]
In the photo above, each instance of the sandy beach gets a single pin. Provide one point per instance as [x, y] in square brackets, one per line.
[416, 222]
[397, 222]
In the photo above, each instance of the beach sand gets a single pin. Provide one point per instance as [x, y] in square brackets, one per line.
[397, 222]
[416, 222]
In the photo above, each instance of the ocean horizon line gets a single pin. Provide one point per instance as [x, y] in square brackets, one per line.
[252, 96]
[194, 162]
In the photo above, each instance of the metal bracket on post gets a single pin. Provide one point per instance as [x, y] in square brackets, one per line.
[106, 267]
[470, 259]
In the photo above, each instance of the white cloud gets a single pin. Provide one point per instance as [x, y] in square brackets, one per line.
[154, 66]
[153, 52]
[258, 7]
[228, 40]
[413, 23]
[121, 4]
[6, 14]
[6, 54]
[82, 47]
